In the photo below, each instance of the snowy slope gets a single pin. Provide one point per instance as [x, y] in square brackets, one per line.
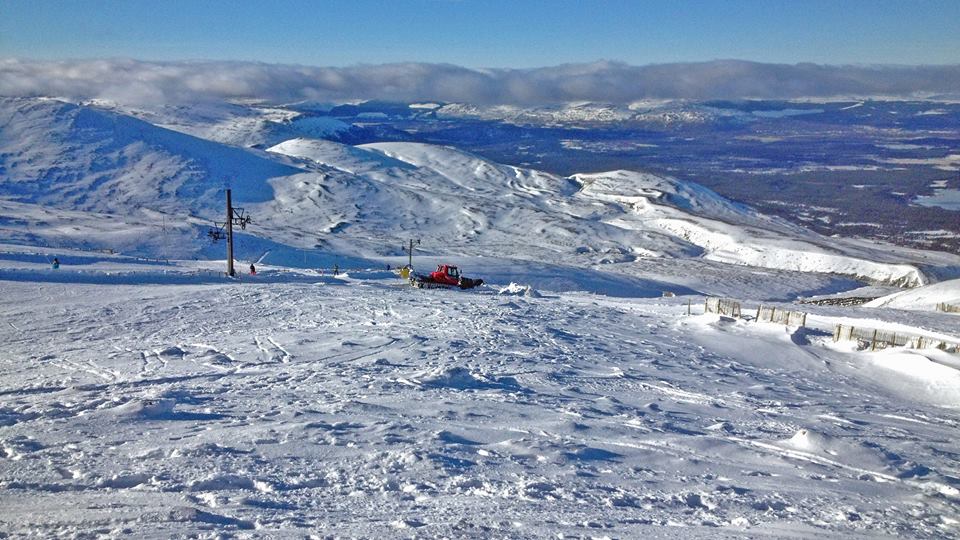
[453, 201]
[733, 233]
[922, 298]
[650, 205]
[81, 158]
[236, 124]
[356, 407]
[625, 215]
[142, 232]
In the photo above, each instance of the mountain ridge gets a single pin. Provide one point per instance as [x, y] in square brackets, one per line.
[364, 200]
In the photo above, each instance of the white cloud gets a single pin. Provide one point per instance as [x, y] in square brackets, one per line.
[133, 81]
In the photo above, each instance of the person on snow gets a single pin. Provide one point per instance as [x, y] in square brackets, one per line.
[253, 270]
[56, 263]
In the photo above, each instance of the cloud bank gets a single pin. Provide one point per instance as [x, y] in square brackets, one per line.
[137, 82]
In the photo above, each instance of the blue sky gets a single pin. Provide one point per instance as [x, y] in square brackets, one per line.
[492, 33]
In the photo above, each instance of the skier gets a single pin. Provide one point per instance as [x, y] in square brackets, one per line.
[336, 270]
[253, 270]
[56, 263]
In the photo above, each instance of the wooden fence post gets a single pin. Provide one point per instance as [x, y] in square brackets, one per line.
[803, 322]
[836, 332]
[873, 347]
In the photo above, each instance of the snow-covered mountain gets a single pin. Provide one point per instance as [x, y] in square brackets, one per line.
[366, 201]
[246, 125]
[85, 158]
[615, 217]
[662, 113]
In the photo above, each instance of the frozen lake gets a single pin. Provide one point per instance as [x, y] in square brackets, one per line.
[944, 198]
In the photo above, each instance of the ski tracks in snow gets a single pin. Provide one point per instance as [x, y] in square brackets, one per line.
[374, 410]
[272, 351]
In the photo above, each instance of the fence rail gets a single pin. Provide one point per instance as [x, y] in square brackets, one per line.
[722, 306]
[881, 339]
[948, 308]
[781, 316]
[872, 338]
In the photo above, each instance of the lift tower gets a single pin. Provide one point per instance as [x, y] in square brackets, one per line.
[230, 271]
[235, 216]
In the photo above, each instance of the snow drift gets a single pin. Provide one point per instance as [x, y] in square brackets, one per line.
[923, 298]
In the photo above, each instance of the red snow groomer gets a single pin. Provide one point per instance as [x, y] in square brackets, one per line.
[446, 276]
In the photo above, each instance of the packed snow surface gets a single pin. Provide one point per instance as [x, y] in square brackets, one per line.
[158, 400]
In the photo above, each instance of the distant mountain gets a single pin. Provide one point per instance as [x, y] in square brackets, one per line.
[253, 125]
[651, 114]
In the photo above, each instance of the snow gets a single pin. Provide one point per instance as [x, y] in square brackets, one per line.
[922, 298]
[81, 158]
[238, 124]
[514, 289]
[656, 112]
[949, 162]
[914, 374]
[289, 402]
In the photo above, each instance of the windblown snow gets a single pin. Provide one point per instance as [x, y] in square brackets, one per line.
[582, 392]
[165, 402]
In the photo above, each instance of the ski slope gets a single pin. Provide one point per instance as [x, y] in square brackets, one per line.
[160, 401]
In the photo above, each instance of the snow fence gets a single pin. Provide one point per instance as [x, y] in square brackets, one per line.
[881, 339]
